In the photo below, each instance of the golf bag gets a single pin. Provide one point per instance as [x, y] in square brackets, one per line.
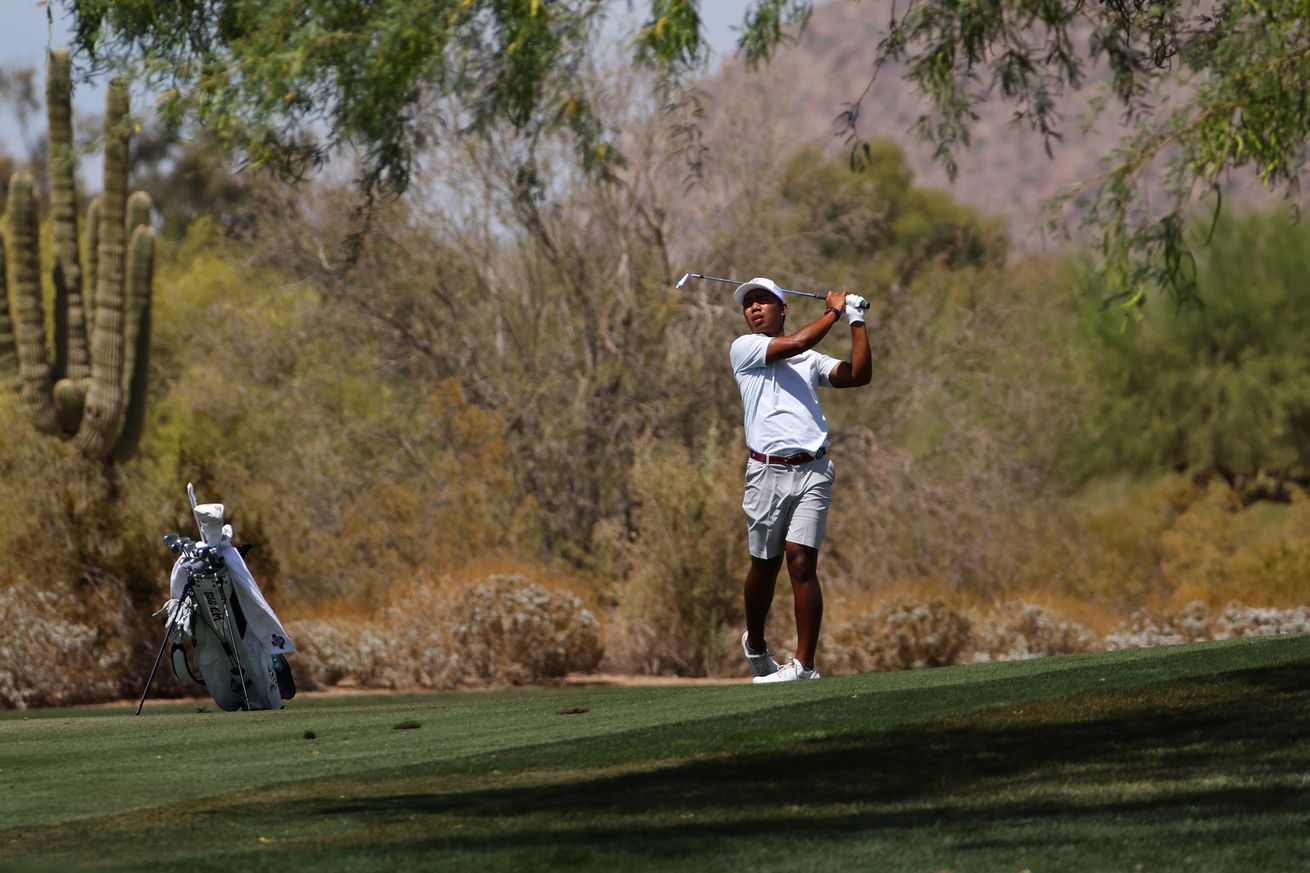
[222, 634]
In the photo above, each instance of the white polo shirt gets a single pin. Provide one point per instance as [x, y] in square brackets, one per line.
[781, 400]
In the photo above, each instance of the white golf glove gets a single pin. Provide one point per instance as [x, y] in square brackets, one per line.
[855, 308]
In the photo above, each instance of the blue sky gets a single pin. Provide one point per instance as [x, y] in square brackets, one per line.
[26, 33]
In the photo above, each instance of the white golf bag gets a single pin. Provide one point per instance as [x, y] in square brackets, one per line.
[222, 634]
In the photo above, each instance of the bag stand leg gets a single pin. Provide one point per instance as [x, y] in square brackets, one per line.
[186, 592]
[235, 645]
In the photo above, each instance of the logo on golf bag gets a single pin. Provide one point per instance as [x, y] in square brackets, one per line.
[215, 612]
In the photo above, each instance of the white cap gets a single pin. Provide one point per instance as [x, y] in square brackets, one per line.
[765, 284]
[209, 516]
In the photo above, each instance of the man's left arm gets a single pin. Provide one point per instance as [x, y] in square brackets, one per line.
[859, 369]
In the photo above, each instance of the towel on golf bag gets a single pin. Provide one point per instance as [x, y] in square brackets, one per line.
[263, 622]
[220, 607]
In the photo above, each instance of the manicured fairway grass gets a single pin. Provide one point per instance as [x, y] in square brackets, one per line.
[1191, 758]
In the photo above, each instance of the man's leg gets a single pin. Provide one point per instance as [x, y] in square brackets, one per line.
[760, 580]
[803, 567]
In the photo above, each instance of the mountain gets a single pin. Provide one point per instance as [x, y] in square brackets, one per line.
[1005, 172]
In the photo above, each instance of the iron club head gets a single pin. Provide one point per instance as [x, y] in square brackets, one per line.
[683, 280]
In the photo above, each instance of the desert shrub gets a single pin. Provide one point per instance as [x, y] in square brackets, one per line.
[507, 629]
[1123, 522]
[1238, 620]
[418, 624]
[1173, 539]
[1015, 631]
[1217, 550]
[332, 652]
[52, 654]
[899, 635]
[1162, 627]
[1197, 548]
[904, 634]
[503, 629]
[681, 559]
[1195, 623]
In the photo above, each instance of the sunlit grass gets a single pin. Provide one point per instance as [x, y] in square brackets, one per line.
[1191, 758]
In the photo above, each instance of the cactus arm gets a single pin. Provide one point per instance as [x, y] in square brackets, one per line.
[103, 415]
[140, 276]
[71, 357]
[8, 351]
[139, 209]
[70, 400]
[36, 384]
[137, 276]
[92, 259]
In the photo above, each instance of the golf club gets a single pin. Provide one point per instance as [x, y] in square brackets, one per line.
[686, 276]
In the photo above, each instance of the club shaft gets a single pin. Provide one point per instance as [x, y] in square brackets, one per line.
[738, 282]
[803, 293]
[236, 648]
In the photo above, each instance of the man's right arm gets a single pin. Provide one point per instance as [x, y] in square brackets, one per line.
[790, 345]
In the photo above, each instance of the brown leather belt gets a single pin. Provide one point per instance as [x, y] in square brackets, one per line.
[788, 460]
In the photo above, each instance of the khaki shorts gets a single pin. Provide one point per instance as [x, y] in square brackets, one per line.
[786, 504]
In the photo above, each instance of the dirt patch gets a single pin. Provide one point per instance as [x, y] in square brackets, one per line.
[572, 680]
[623, 679]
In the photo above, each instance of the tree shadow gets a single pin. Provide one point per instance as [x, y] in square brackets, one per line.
[1207, 752]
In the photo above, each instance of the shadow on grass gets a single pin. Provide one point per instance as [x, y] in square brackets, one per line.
[1190, 763]
[1208, 774]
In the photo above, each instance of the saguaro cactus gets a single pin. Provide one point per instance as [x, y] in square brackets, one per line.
[95, 395]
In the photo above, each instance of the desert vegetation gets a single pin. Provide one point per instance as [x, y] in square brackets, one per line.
[496, 446]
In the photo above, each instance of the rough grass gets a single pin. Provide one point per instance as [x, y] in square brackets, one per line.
[1191, 758]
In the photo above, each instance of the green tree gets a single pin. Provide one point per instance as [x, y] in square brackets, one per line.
[285, 82]
[190, 177]
[1222, 388]
[1207, 89]
[288, 80]
[852, 220]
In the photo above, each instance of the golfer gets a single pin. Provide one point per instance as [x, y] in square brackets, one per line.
[789, 475]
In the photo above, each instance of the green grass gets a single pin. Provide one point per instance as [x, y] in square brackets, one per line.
[1191, 758]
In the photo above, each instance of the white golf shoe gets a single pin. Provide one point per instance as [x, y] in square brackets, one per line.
[761, 665]
[788, 673]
